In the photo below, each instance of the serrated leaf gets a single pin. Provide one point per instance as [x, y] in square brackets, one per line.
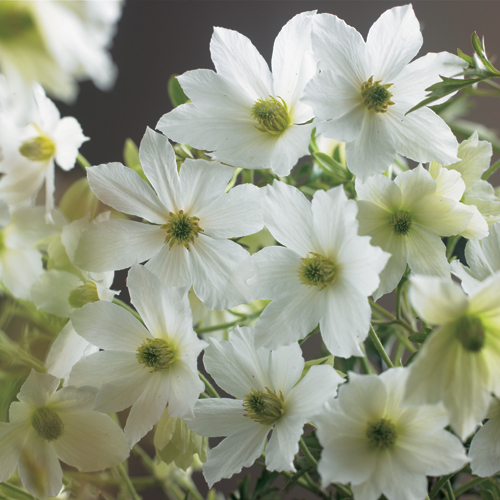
[480, 51]
[465, 57]
[418, 337]
[175, 92]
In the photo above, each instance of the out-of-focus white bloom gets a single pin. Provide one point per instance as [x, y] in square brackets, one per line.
[31, 151]
[57, 43]
[248, 116]
[146, 367]
[46, 426]
[364, 90]
[460, 362]
[407, 217]
[269, 398]
[483, 259]
[323, 274]
[192, 219]
[381, 445]
[484, 452]
[20, 261]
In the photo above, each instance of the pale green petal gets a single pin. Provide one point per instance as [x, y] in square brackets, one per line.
[415, 184]
[484, 450]
[427, 253]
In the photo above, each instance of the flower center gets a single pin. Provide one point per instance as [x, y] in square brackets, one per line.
[264, 407]
[84, 294]
[376, 96]
[401, 222]
[470, 332]
[271, 115]
[382, 434]
[41, 148]
[15, 20]
[47, 424]
[181, 229]
[317, 270]
[157, 354]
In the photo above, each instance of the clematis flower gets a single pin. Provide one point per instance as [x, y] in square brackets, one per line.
[248, 116]
[146, 367]
[459, 364]
[191, 220]
[381, 445]
[364, 91]
[323, 274]
[47, 426]
[407, 218]
[270, 397]
[31, 151]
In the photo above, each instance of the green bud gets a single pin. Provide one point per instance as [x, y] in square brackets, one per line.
[157, 354]
[16, 20]
[316, 270]
[382, 434]
[264, 407]
[84, 294]
[376, 96]
[41, 148]
[181, 229]
[271, 114]
[47, 424]
[470, 332]
[401, 222]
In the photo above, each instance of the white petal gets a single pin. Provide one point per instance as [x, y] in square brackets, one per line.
[121, 188]
[393, 41]
[37, 388]
[109, 326]
[478, 227]
[68, 137]
[20, 270]
[171, 266]
[12, 437]
[239, 450]
[469, 281]
[427, 253]
[91, 441]
[284, 444]
[484, 450]
[285, 368]
[117, 244]
[238, 60]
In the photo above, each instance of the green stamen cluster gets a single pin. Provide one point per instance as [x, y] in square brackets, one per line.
[41, 148]
[401, 222]
[181, 229]
[15, 20]
[84, 294]
[47, 424]
[376, 96]
[271, 114]
[264, 407]
[470, 331]
[157, 354]
[317, 270]
[382, 434]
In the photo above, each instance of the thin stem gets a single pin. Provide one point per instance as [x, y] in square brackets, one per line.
[128, 483]
[82, 161]
[223, 326]
[380, 347]
[314, 487]
[450, 246]
[469, 485]
[208, 386]
[449, 490]
[120, 303]
[491, 170]
[307, 453]
[391, 317]
[16, 490]
[439, 484]
[365, 362]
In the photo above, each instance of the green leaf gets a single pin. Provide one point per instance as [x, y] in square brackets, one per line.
[480, 51]
[418, 337]
[466, 58]
[175, 92]
[131, 158]
[338, 171]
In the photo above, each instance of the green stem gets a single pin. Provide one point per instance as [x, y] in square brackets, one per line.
[391, 317]
[120, 303]
[247, 176]
[128, 483]
[307, 453]
[449, 490]
[450, 246]
[224, 326]
[82, 161]
[439, 484]
[380, 347]
[368, 368]
[16, 490]
[208, 386]
[491, 170]
[469, 485]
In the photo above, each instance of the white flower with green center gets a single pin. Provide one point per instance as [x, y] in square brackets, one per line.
[381, 445]
[31, 151]
[146, 367]
[248, 116]
[46, 426]
[483, 260]
[191, 220]
[271, 396]
[460, 362]
[323, 273]
[364, 91]
[407, 218]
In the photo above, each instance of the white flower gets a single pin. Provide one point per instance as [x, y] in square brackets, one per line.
[460, 362]
[143, 368]
[47, 426]
[269, 397]
[191, 220]
[483, 259]
[56, 43]
[248, 116]
[380, 445]
[364, 90]
[324, 274]
[407, 218]
[31, 151]
[484, 452]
